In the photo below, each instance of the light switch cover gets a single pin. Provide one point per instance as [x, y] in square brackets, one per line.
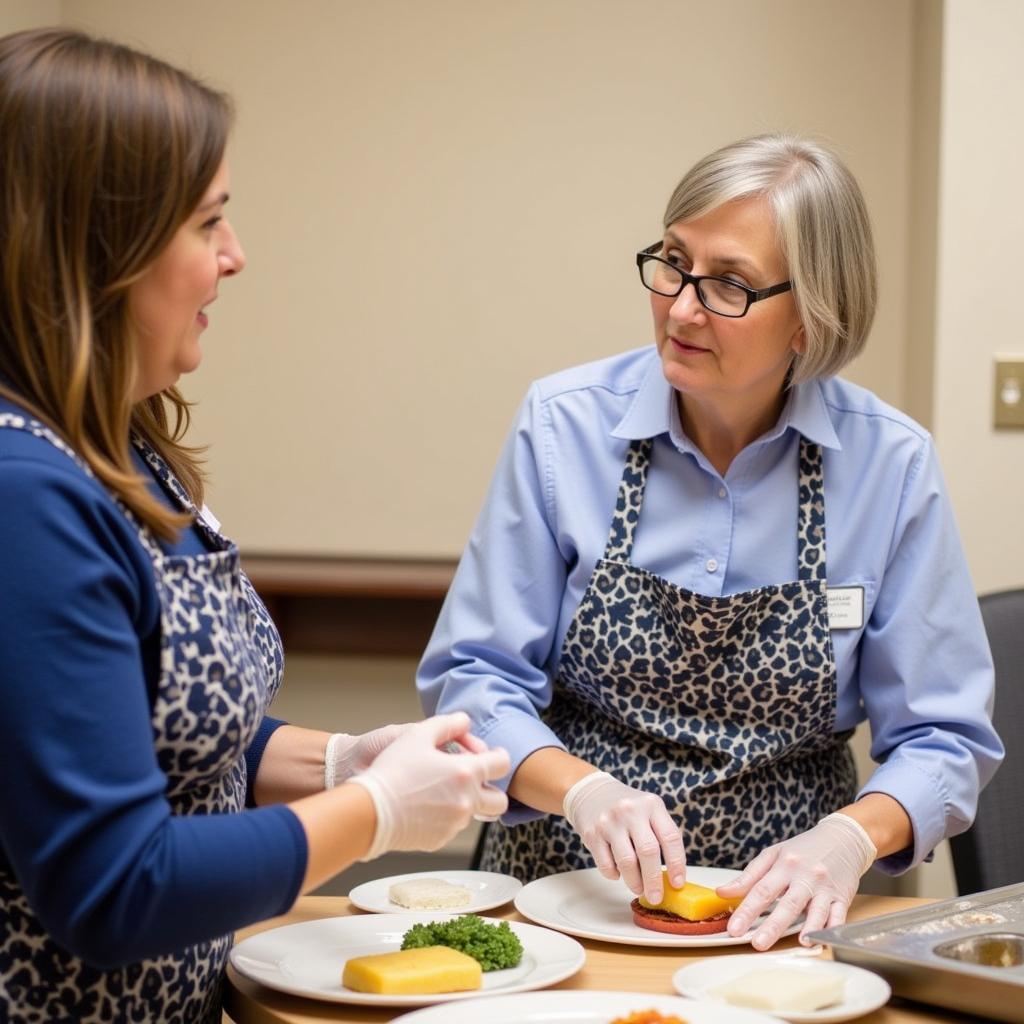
[1008, 400]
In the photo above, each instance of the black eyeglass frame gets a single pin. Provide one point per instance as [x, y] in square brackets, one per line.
[753, 294]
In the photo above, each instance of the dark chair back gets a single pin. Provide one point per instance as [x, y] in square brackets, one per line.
[991, 852]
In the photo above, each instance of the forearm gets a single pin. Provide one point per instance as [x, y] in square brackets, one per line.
[885, 821]
[543, 778]
[339, 824]
[292, 766]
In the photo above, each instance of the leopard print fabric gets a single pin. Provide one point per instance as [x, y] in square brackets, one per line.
[221, 663]
[723, 706]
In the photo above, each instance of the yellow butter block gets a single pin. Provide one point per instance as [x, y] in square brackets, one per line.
[413, 972]
[692, 901]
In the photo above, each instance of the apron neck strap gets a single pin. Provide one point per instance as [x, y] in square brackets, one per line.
[811, 526]
[627, 506]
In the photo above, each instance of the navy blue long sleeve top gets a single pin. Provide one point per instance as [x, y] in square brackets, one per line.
[85, 827]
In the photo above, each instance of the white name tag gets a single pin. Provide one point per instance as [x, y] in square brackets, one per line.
[845, 607]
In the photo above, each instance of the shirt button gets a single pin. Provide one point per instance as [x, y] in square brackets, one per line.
[721, 492]
[712, 565]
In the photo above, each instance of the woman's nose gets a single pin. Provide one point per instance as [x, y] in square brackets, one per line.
[687, 305]
[232, 256]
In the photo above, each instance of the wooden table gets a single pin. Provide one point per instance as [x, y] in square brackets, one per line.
[608, 967]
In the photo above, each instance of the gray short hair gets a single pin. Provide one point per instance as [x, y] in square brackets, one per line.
[823, 230]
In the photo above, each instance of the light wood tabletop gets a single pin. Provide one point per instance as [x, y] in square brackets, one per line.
[609, 967]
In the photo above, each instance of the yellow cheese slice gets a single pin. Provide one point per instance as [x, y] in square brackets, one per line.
[413, 972]
[692, 901]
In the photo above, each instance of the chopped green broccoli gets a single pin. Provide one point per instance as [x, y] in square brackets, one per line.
[494, 946]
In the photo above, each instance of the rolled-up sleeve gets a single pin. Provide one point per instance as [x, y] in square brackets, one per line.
[497, 626]
[926, 675]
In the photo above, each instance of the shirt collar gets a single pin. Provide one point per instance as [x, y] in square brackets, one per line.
[653, 411]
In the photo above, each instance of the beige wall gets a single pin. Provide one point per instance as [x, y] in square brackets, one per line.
[981, 222]
[441, 201]
[16, 15]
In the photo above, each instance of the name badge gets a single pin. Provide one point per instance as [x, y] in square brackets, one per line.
[845, 607]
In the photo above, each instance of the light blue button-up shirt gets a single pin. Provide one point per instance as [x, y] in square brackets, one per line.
[918, 668]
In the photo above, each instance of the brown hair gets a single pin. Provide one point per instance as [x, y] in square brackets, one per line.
[105, 153]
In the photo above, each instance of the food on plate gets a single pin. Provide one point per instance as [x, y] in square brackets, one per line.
[428, 894]
[648, 1017]
[493, 946]
[784, 989]
[413, 972]
[692, 910]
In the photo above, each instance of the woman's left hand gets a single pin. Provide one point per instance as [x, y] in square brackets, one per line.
[816, 872]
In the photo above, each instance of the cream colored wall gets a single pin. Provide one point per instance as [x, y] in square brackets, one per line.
[982, 222]
[16, 15]
[441, 201]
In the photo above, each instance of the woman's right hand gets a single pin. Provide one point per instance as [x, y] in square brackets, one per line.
[424, 795]
[627, 831]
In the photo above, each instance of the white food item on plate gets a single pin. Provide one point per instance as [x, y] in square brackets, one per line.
[782, 988]
[429, 894]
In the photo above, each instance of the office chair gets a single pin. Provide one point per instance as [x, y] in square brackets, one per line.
[991, 852]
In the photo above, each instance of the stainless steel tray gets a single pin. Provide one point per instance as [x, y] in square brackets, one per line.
[966, 953]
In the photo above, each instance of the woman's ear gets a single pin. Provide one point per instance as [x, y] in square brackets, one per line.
[799, 341]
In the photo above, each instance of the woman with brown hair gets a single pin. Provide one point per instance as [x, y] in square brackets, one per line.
[137, 661]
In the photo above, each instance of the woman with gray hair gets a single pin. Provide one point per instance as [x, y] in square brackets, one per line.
[647, 617]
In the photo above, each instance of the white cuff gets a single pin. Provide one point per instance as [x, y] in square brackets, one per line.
[869, 852]
[331, 759]
[381, 797]
[576, 792]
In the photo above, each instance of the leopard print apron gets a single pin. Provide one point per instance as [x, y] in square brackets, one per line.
[723, 706]
[221, 663]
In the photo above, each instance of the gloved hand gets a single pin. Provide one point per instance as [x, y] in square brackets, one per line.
[423, 795]
[349, 755]
[627, 831]
[816, 872]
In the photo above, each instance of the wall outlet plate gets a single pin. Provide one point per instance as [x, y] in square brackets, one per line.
[1008, 400]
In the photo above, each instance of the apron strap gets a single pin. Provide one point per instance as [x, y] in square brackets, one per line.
[811, 525]
[627, 506]
[33, 426]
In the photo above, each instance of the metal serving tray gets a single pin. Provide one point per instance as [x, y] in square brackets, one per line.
[966, 954]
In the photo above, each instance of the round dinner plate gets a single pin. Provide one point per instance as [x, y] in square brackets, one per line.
[581, 1008]
[487, 890]
[307, 959]
[863, 991]
[586, 904]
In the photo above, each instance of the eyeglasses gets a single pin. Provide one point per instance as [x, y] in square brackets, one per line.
[717, 294]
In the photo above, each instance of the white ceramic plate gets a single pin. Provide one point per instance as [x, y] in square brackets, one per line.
[586, 904]
[581, 1008]
[487, 889]
[307, 959]
[863, 991]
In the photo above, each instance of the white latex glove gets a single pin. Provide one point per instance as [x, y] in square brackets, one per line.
[423, 795]
[627, 831]
[816, 872]
[349, 755]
